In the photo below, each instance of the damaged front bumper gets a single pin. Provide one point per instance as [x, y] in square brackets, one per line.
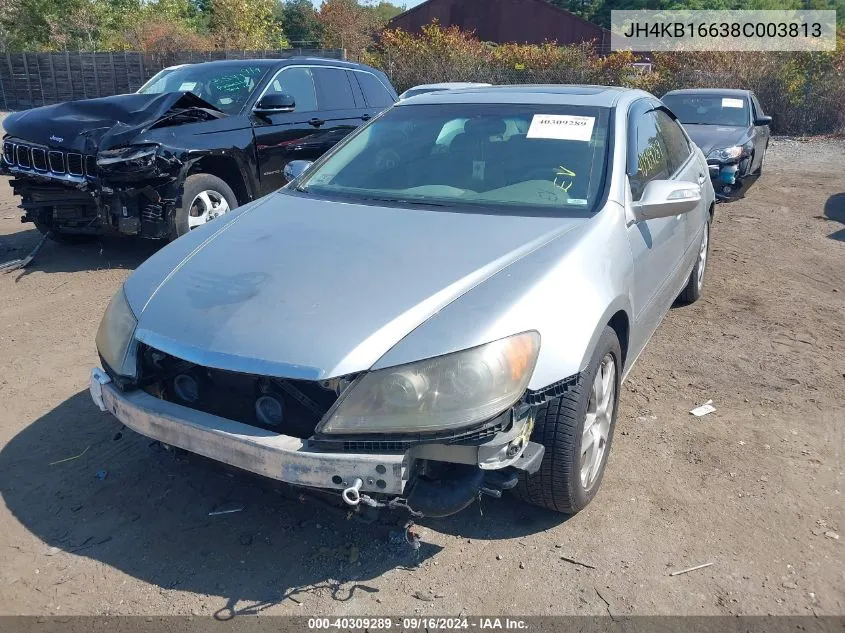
[487, 466]
[68, 192]
[728, 176]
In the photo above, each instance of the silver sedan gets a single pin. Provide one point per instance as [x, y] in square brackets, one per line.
[443, 306]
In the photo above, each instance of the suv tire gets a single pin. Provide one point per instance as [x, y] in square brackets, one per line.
[204, 197]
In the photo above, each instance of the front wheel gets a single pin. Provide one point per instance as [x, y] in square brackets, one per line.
[576, 430]
[204, 197]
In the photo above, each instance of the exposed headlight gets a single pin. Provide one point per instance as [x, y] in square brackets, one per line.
[436, 394]
[114, 337]
[136, 156]
[726, 153]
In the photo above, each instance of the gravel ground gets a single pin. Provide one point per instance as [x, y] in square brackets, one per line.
[755, 488]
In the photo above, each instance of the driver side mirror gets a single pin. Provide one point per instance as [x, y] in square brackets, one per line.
[665, 198]
[274, 103]
[763, 120]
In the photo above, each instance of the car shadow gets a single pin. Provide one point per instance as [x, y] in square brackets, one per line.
[834, 209]
[100, 253]
[87, 486]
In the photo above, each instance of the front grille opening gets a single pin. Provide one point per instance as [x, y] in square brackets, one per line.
[288, 407]
[23, 156]
[91, 166]
[74, 164]
[57, 162]
[39, 159]
[9, 153]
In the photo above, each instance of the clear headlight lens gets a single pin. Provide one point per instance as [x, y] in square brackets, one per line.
[441, 393]
[726, 153]
[114, 337]
[135, 156]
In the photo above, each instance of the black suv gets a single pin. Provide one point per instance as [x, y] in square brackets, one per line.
[192, 143]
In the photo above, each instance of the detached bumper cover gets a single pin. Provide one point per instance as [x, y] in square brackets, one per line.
[279, 457]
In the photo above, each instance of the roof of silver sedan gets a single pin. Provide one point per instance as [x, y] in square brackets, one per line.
[606, 96]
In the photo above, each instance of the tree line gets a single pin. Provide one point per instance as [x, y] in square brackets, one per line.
[169, 25]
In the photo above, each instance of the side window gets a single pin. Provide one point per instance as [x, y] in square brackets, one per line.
[375, 93]
[650, 156]
[299, 84]
[333, 89]
[677, 147]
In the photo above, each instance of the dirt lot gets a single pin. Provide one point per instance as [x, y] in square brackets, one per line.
[756, 487]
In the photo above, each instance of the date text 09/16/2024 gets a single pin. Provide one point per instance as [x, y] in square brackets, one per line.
[417, 623]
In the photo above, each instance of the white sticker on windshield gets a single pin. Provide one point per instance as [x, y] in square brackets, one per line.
[187, 86]
[732, 103]
[563, 127]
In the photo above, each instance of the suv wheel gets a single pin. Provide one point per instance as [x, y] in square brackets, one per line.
[577, 430]
[204, 197]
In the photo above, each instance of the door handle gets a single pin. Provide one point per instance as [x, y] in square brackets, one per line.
[316, 122]
[366, 117]
[700, 179]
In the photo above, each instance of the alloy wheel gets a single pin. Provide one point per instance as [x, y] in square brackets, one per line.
[206, 206]
[702, 256]
[594, 437]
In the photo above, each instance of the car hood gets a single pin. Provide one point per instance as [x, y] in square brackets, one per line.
[298, 287]
[710, 137]
[89, 124]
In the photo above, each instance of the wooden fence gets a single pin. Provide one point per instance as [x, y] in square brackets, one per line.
[29, 80]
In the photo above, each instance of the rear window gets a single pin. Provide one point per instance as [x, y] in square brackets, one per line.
[376, 94]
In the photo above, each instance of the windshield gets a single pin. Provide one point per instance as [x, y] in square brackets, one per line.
[225, 86]
[709, 109]
[543, 157]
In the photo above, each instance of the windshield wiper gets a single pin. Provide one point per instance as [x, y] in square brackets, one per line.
[407, 201]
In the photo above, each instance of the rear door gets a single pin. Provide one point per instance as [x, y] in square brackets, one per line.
[657, 245]
[286, 136]
[339, 112]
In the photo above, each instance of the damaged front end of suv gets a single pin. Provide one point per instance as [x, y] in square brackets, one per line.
[110, 165]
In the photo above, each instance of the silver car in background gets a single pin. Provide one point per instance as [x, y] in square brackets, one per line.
[444, 305]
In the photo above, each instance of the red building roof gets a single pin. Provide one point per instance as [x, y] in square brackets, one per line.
[504, 21]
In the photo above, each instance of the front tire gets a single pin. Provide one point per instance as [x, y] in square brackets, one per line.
[576, 430]
[204, 197]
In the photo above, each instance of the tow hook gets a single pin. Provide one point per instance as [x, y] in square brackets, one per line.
[352, 495]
